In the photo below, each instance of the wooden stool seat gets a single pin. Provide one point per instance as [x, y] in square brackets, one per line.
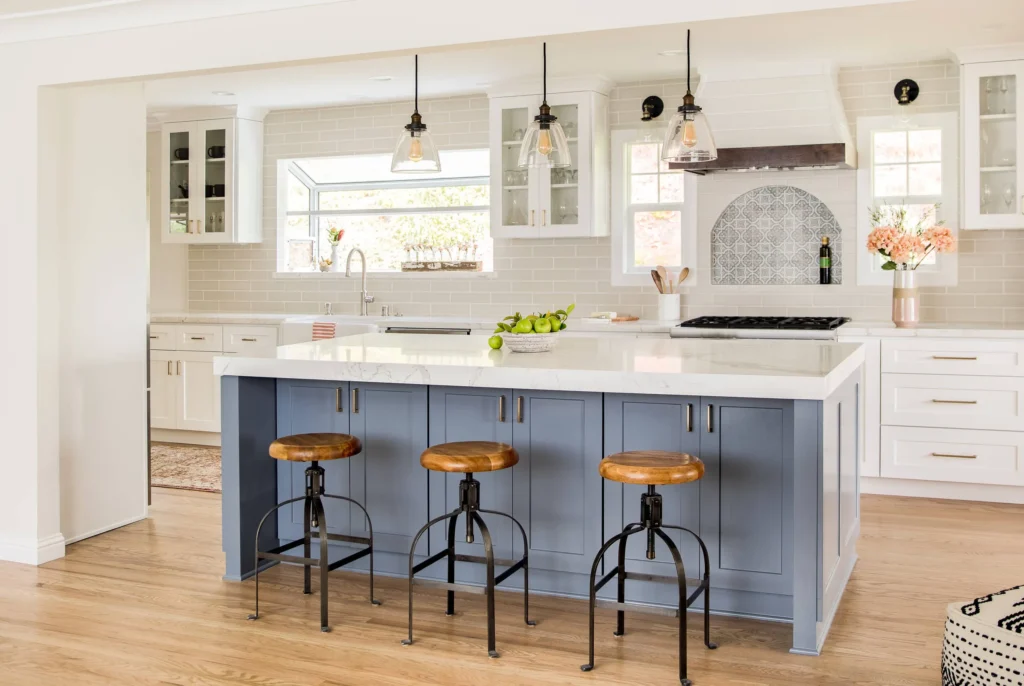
[469, 456]
[315, 447]
[652, 468]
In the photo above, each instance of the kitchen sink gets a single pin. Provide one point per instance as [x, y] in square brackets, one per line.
[300, 329]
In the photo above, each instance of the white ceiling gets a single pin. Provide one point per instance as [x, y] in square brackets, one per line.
[14, 9]
[903, 32]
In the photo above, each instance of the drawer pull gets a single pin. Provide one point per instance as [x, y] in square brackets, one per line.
[354, 404]
[519, 409]
[198, 338]
[501, 408]
[955, 402]
[248, 340]
[153, 338]
[689, 417]
[962, 457]
[954, 357]
[337, 400]
[178, 367]
[169, 365]
[711, 426]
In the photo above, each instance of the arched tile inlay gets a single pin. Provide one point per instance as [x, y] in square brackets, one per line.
[771, 236]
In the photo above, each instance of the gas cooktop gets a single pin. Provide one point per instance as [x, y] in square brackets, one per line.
[759, 327]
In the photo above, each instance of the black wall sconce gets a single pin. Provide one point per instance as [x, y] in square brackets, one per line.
[906, 91]
[652, 108]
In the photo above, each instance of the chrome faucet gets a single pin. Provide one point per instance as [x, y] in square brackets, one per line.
[364, 299]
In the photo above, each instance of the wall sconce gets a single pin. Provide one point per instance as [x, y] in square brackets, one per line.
[652, 108]
[906, 92]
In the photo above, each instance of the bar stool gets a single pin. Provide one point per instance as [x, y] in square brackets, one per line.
[468, 457]
[315, 448]
[651, 468]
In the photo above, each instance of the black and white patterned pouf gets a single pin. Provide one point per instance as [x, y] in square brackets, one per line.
[984, 642]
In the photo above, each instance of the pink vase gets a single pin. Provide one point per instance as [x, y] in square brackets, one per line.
[906, 301]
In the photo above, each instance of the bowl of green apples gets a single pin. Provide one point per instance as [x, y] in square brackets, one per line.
[534, 333]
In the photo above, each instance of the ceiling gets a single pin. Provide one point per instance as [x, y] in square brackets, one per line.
[880, 34]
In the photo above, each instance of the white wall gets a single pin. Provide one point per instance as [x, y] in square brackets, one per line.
[168, 262]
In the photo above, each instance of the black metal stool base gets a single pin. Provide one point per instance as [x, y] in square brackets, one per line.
[650, 506]
[469, 505]
[314, 517]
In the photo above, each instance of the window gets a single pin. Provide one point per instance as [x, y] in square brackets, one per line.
[390, 217]
[912, 165]
[654, 211]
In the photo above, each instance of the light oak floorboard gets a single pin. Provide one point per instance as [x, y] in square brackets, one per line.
[146, 605]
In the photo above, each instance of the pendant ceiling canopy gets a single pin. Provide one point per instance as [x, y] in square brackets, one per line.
[545, 144]
[689, 137]
[416, 152]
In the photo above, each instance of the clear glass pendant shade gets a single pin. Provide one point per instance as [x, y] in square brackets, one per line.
[416, 153]
[689, 138]
[545, 147]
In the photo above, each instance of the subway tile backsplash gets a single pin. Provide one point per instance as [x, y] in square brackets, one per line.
[538, 274]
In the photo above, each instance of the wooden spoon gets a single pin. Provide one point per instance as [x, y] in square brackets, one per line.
[666, 284]
[657, 281]
[682, 276]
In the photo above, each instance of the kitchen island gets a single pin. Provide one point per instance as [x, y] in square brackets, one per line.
[777, 424]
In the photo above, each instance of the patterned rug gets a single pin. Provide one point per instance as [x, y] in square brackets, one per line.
[188, 467]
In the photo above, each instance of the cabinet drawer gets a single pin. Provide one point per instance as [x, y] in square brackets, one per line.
[200, 337]
[957, 402]
[957, 455]
[161, 337]
[970, 357]
[254, 341]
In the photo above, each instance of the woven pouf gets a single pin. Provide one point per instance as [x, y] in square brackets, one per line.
[984, 642]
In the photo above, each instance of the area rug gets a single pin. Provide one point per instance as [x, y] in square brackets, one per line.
[188, 467]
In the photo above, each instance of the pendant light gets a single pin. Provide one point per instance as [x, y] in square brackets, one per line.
[544, 144]
[416, 152]
[689, 136]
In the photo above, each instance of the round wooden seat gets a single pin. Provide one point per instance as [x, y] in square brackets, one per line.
[652, 468]
[315, 447]
[469, 456]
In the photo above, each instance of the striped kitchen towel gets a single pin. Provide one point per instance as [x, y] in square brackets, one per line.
[323, 330]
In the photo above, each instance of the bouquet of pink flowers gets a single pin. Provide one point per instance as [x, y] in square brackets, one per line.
[906, 245]
[334, 235]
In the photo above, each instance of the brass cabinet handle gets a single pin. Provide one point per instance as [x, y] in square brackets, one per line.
[199, 226]
[337, 400]
[955, 402]
[355, 401]
[170, 372]
[198, 338]
[689, 417]
[962, 457]
[952, 357]
[519, 409]
[249, 340]
[711, 426]
[544, 217]
[533, 215]
[179, 367]
[153, 338]
[501, 408]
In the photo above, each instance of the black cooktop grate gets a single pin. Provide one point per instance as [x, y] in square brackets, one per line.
[792, 323]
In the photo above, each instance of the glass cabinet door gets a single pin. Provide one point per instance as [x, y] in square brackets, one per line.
[564, 205]
[515, 197]
[179, 178]
[993, 147]
[214, 156]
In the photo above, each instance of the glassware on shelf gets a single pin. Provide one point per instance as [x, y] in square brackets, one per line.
[516, 211]
[1004, 86]
[1008, 196]
[986, 198]
[988, 108]
[518, 134]
[567, 212]
[570, 129]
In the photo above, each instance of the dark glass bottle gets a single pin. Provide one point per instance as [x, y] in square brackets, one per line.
[825, 262]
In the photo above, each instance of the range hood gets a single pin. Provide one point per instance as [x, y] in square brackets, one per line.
[775, 116]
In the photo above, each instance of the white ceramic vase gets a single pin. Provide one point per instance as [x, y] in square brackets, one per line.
[335, 259]
[906, 301]
[668, 307]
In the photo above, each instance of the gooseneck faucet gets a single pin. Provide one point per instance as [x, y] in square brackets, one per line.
[364, 299]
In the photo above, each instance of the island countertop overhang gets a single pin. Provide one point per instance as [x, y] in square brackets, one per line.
[781, 369]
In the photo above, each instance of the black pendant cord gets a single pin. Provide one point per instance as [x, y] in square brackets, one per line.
[545, 72]
[687, 60]
[416, 86]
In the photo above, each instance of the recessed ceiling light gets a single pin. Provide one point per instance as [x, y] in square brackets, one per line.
[382, 78]
[672, 53]
[223, 93]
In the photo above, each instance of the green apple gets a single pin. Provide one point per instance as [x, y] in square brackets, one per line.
[495, 342]
[524, 326]
[542, 326]
[556, 323]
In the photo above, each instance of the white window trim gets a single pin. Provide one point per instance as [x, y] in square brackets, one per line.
[945, 270]
[621, 225]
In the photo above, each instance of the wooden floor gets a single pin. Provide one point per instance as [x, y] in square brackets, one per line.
[145, 605]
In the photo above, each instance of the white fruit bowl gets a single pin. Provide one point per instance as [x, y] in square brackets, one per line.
[530, 342]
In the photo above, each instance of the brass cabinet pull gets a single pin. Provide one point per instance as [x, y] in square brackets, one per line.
[962, 457]
[544, 217]
[355, 401]
[501, 408]
[153, 338]
[519, 409]
[955, 402]
[337, 400]
[179, 367]
[249, 340]
[170, 372]
[198, 338]
[952, 357]
[533, 215]
[689, 417]
[711, 426]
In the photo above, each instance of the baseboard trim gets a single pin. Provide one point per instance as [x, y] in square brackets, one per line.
[104, 529]
[943, 490]
[33, 552]
[207, 438]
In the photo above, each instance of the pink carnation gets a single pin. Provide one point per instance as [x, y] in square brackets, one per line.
[882, 239]
[906, 248]
[940, 238]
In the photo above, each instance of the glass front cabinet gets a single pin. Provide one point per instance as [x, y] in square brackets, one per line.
[212, 181]
[993, 99]
[550, 203]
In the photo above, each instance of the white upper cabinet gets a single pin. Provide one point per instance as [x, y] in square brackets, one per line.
[212, 181]
[550, 203]
[993, 100]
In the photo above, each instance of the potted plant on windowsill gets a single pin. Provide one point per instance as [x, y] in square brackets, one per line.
[334, 237]
[905, 246]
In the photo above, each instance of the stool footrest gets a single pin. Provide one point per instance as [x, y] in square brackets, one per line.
[342, 538]
[436, 557]
[461, 588]
[351, 558]
[294, 559]
[633, 607]
[281, 548]
[498, 562]
[510, 571]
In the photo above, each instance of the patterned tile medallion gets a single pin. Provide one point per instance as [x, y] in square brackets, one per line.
[771, 236]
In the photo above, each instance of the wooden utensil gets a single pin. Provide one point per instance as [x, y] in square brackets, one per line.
[658, 283]
[666, 284]
[626, 318]
[682, 276]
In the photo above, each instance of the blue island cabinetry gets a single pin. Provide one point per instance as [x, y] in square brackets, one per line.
[777, 506]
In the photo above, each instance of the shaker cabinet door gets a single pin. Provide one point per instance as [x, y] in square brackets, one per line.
[163, 390]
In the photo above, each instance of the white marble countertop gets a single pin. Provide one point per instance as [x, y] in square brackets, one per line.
[229, 318]
[804, 370]
[933, 330]
[575, 323]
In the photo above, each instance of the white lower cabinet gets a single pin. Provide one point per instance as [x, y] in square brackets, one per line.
[955, 455]
[199, 388]
[163, 390]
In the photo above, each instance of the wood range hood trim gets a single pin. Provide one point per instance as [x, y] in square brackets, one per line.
[780, 157]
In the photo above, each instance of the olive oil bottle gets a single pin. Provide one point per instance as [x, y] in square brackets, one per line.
[825, 262]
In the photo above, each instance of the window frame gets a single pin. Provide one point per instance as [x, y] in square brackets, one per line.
[623, 212]
[944, 272]
[287, 167]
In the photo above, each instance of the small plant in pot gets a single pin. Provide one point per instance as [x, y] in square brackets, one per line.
[532, 333]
